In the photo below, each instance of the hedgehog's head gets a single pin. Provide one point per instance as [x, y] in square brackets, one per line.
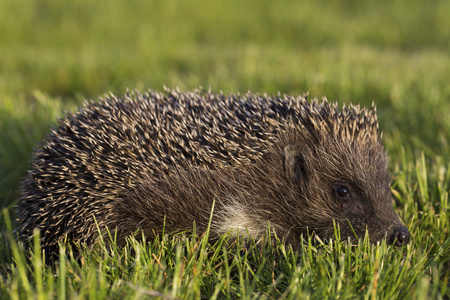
[341, 169]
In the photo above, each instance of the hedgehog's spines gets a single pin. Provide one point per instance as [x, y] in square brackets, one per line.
[97, 154]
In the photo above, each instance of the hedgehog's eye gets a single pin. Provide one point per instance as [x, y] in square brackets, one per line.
[342, 191]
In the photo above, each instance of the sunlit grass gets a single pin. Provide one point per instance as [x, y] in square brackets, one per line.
[55, 54]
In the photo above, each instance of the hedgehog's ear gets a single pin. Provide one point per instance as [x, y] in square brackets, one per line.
[294, 163]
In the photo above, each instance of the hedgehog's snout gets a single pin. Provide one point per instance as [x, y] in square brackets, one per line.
[399, 236]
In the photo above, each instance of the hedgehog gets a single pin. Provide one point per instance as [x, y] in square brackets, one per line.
[158, 162]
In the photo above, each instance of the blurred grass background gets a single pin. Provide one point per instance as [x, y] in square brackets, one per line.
[56, 53]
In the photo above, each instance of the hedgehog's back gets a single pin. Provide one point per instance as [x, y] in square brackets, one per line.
[105, 148]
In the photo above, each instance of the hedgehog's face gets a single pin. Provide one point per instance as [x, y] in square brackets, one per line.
[347, 184]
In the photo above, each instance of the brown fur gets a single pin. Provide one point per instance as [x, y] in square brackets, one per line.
[136, 162]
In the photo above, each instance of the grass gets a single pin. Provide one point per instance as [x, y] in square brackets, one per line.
[394, 53]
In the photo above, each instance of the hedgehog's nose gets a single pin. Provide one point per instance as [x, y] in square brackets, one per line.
[400, 236]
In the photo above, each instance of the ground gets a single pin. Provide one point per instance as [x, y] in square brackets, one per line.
[395, 54]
